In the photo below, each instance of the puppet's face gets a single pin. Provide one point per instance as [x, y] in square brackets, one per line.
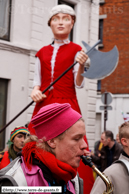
[61, 25]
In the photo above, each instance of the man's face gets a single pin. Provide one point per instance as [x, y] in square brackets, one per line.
[71, 147]
[61, 25]
[104, 141]
[125, 144]
[18, 142]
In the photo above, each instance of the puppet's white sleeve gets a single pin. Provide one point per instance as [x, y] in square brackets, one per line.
[37, 75]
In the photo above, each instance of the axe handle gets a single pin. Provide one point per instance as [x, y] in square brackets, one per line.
[47, 88]
[90, 50]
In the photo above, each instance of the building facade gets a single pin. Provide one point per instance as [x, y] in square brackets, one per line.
[114, 30]
[23, 31]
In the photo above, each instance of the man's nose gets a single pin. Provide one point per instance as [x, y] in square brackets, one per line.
[23, 139]
[83, 144]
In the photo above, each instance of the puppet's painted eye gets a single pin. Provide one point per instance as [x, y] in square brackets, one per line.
[55, 19]
[66, 19]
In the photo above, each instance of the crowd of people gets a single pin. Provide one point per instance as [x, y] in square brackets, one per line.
[118, 172]
[109, 152]
[48, 151]
[52, 156]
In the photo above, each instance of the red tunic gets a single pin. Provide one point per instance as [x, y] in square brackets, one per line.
[63, 91]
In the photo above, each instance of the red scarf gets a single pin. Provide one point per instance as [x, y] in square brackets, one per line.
[60, 170]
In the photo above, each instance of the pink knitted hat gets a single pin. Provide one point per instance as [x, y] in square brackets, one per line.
[54, 119]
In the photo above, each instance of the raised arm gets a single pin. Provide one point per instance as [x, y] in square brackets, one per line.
[81, 59]
[36, 93]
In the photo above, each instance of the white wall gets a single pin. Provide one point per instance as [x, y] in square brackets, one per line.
[21, 22]
[91, 85]
[14, 67]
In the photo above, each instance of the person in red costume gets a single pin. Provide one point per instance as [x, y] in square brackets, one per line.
[51, 62]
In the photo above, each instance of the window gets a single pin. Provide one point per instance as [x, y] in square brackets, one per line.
[101, 30]
[5, 15]
[3, 102]
[65, 2]
[98, 128]
[101, 2]
[99, 86]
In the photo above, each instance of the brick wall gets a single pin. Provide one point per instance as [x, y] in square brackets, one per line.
[116, 32]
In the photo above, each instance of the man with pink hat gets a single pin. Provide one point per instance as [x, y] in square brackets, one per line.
[51, 158]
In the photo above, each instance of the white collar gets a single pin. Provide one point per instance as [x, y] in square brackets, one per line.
[66, 41]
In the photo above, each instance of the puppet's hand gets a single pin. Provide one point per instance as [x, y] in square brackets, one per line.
[37, 95]
[81, 57]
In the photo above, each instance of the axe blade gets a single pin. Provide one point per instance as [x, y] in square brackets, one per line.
[102, 63]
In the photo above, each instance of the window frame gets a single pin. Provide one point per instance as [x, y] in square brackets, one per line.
[98, 85]
[101, 2]
[5, 83]
[9, 22]
[101, 30]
